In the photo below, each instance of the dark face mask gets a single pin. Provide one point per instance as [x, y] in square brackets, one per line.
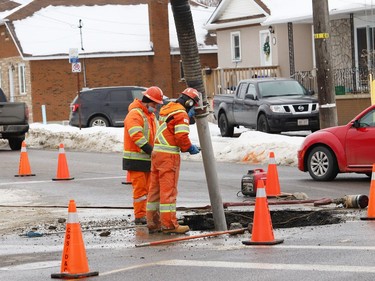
[186, 102]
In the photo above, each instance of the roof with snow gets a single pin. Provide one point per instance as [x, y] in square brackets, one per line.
[50, 28]
[232, 13]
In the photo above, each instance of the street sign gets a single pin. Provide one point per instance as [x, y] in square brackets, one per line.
[76, 67]
[73, 55]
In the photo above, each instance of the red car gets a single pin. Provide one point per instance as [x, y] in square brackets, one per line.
[341, 149]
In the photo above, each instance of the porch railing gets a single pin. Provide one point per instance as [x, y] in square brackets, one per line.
[348, 80]
[226, 79]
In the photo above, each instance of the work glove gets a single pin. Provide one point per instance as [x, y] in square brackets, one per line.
[147, 148]
[193, 149]
[191, 112]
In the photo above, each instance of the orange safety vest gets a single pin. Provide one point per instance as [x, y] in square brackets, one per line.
[172, 135]
[139, 129]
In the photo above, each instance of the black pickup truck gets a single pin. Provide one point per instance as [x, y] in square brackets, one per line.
[14, 117]
[270, 105]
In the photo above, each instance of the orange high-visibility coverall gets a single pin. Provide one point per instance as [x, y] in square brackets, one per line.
[139, 134]
[172, 137]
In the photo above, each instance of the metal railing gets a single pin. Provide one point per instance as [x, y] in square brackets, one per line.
[346, 80]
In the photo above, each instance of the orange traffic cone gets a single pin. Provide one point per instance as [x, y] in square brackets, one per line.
[272, 184]
[127, 181]
[24, 169]
[371, 203]
[262, 233]
[74, 261]
[62, 166]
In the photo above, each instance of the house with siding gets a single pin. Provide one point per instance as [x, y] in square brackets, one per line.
[258, 38]
[117, 42]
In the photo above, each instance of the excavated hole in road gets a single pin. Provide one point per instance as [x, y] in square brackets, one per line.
[280, 219]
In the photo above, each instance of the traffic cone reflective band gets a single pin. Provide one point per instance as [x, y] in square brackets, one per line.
[24, 169]
[127, 181]
[62, 166]
[262, 232]
[74, 261]
[371, 203]
[272, 183]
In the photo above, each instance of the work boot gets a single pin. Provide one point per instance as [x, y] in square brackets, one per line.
[181, 229]
[140, 221]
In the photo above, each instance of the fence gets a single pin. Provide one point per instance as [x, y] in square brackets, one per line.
[349, 80]
[346, 80]
[226, 79]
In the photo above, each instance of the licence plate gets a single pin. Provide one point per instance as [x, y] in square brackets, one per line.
[303, 122]
[1, 128]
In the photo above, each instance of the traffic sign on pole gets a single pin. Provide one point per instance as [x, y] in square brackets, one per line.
[76, 67]
[73, 55]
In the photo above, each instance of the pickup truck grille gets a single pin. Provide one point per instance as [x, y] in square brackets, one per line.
[301, 108]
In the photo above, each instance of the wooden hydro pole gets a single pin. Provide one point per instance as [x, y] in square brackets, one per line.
[326, 94]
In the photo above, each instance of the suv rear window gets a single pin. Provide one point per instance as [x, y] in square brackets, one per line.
[94, 95]
[137, 93]
[120, 95]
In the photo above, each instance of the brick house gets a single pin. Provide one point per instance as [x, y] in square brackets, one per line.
[45, 77]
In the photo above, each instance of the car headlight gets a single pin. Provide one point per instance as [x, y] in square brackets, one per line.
[277, 108]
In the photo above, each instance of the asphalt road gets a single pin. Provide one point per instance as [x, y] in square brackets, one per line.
[330, 252]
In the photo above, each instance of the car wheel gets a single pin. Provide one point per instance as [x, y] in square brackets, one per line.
[322, 164]
[262, 124]
[225, 129]
[99, 121]
[15, 143]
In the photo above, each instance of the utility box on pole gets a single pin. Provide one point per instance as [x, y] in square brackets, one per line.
[326, 93]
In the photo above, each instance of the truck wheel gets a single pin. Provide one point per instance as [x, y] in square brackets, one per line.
[262, 124]
[225, 129]
[15, 143]
[322, 164]
[99, 121]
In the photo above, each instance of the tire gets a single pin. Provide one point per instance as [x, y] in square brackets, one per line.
[262, 124]
[226, 130]
[322, 164]
[15, 143]
[98, 121]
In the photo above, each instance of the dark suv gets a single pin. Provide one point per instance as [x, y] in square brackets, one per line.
[106, 106]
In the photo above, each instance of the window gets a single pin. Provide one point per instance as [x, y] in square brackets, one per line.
[242, 90]
[120, 96]
[22, 78]
[236, 46]
[368, 120]
[251, 90]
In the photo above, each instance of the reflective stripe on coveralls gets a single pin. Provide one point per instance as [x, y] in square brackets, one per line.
[167, 208]
[140, 199]
[153, 206]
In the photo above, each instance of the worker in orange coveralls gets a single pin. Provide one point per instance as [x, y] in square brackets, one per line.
[140, 126]
[172, 137]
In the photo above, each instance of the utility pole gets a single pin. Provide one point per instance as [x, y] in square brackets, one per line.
[83, 59]
[326, 95]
